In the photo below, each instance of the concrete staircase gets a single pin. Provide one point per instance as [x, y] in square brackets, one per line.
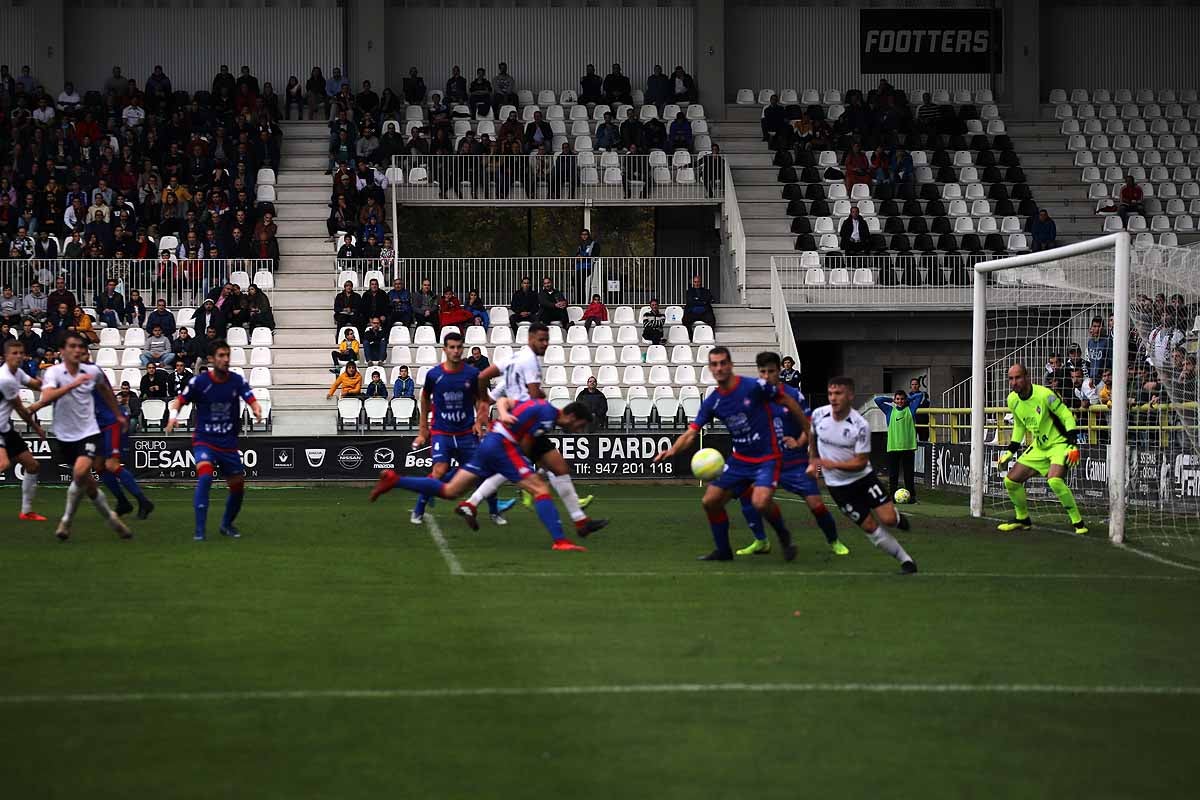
[1053, 178]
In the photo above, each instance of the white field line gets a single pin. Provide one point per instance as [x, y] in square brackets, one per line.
[600, 690]
[1157, 558]
[801, 575]
[435, 533]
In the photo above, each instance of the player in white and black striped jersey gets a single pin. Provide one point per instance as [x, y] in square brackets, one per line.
[13, 449]
[840, 448]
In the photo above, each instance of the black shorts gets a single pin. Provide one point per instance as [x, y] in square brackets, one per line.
[14, 444]
[860, 498]
[541, 445]
[83, 448]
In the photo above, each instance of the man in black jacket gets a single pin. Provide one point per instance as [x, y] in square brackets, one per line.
[854, 235]
[552, 305]
[209, 316]
[456, 87]
[658, 89]
[524, 304]
[178, 378]
[154, 383]
[774, 120]
[537, 133]
[414, 88]
[480, 98]
[110, 305]
[186, 348]
[346, 306]
[698, 305]
[374, 302]
[590, 86]
[616, 87]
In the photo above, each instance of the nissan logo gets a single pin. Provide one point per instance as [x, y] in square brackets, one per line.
[350, 458]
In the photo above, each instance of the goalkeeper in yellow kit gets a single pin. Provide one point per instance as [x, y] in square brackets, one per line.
[1039, 411]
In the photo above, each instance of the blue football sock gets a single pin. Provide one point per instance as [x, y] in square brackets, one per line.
[493, 504]
[548, 514]
[113, 485]
[200, 500]
[826, 523]
[419, 508]
[430, 486]
[233, 504]
[130, 483]
[719, 522]
[753, 519]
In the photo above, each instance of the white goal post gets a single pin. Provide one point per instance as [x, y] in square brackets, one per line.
[1118, 433]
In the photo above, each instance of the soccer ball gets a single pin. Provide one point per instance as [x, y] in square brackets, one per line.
[902, 496]
[707, 464]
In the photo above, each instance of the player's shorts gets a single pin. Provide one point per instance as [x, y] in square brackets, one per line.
[740, 475]
[228, 461]
[794, 479]
[460, 448]
[13, 444]
[498, 456]
[83, 448]
[860, 498]
[1040, 460]
[114, 441]
[541, 445]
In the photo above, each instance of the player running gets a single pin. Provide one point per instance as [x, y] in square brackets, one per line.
[522, 380]
[841, 448]
[793, 474]
[114, 449]
[503, 452]
[1039, 411]
[452, 395]
[13, 449]
[744, 405]
[215, 394]
[72, 387]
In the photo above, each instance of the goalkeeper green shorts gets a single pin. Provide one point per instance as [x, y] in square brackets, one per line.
[1039, 460]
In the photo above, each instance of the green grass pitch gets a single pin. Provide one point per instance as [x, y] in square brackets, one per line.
[162, 668]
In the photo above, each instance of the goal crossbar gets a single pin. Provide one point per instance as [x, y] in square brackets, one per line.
[1119, 243]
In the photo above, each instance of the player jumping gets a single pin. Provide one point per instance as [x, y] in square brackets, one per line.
[114, 449]
[841, 448]
[1039, 411]
[743, 404]
[215, 394]
[522, 380]
[793, 475]
[452, 395]
[72, 387]
[13, 449]
[503, 452]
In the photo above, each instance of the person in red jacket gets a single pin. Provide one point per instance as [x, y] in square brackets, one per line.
[451, 311]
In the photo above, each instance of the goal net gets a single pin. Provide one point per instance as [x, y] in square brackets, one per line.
[1113, 330]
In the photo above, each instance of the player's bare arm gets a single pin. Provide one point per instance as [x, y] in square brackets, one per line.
[257, 409]
[682, 443]
[504, 407]
[485, 379]
[173, 414]
[28, 416]
[423, 427]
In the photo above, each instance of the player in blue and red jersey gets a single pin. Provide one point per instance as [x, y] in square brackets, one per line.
[453, 398]
[793, 442]
[114, 449]
[504, 451]
[215, 441]
[744, 405]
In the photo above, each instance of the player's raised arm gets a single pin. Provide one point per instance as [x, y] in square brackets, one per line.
[52, 393]
[787, 401]
[485, 379]
[685, 439]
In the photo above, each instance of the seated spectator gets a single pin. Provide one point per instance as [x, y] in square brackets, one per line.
[161, 317]
[135, 310]
[929, 115]
[654, 135]
[478, 310]
[854, 237]
[376, 387]
[110, 304]
[479, 98]
[1043, 231]
[350, 382]
[591, 88]
[425, 305]
[158, 348]
[451, 311]
[774, 121]
[789, 374]
[10, 307]
[596, 402]
[608, 135]
[505, 87]
[552, 305]
[413, 88]
[186, 349]
[347, 351]
[698, 305]
[404, 385]
[374, 339]
[616, 87]
[456, 87]
[314, 93]
[659, 89]
[510, 131]
[366, 101]
[177, 379]
[679, 137]
[154, 383]
[400, 301]
[856, 167]
[1130, 200]
[34, 346]
[60, 295]
[524, 305]
[654, 323]
[374, 302]
[538, 133]
[234, 307]
[33, 304]
[683, 86]
[81, 323]
[881, 166]
[595, 314]
[347, 306]
[478, 360]
[293, 97]
[341, 152]
[903, 169]
[632, 129]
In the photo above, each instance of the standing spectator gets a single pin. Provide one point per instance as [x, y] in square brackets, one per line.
[404, 385]
[110, 304]
[1131, 200]
[698, 305]
[158, 81]
[350, 382]
[414, 88]
[347, 350]
[376, 387]
[683, 86]
[914, 388]
[479, 99]
[478, 360]
[161, 318]
[564, 172]
[857, 168]
[616, 87]
[223, 82]
[552, 305]
[314, 92]
[585, 262]
[591, 88]
[157, 349]
[774, 120]
[854, 235]
[33, 304]
[425, 305]
[178, 378]
[400, 299]
[901, 438]
[456, 87]
[1099, 348]
[789, 374]
[374, 341]
[632, 129]
[505, 87]
[1084, 392]
[929, 115]
[658, 89]
[346, 306]
[1043, 231]
[595, 314]
[154, 383]
[712, 170]
[654, 323]
[596, 402]
[524, 305]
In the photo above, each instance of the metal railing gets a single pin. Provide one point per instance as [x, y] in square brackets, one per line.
[617, 279]
[735, 235]
[181, 282]
[783, 321]
[554, 179]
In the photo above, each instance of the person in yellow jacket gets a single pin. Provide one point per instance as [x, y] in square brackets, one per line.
[350, 382]
[347, 350]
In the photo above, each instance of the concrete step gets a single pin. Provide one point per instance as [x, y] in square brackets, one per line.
[766, 209]
[311, 245]
[297, 178]
[770, 243]
[736, 113]
[748, 159]
[310, 263]
[303, 194]
[306, 146]
[776, 226]
[765, 191]
[291, 161]
[302, 211]
[304, 228]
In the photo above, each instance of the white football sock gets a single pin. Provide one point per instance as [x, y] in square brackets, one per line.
[888, 544]
[28, 490]
[74, 495]
[566, 492]
[486, 489]
[101, 504]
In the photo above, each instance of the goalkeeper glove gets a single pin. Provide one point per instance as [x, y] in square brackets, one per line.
[1072, 455]
[1013, 449]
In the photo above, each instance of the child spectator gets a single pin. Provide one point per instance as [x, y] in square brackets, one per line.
[404, 385]
[348, 350]
[350, 382]
[596, 313]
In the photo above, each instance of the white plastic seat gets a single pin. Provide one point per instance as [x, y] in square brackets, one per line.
[402, 355]
[475, 335]
[703, 334]
[260, 376]
[1057, 96]
[660, 375]
[633, 375]
[745, 97]
[501, 335]
[107, 356]
[987, 225]
[1069, 127]
[1185, 224]
[425, 335]
[677, 334]
[964, 225]
[1017, 243]
[132, 357]
[951, 191]
[957, 208]
[554, 355]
